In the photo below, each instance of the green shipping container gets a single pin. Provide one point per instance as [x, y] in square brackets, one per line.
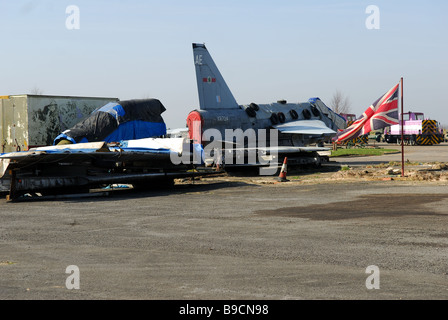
[28, 121]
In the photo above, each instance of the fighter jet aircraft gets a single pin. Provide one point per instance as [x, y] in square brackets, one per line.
[299, 125]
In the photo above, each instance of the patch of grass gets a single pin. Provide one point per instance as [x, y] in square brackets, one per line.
[361, 152]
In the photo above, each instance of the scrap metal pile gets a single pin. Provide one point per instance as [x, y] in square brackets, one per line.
[121, 142]
[76, 168]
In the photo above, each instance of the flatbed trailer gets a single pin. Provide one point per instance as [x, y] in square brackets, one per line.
[78, 168]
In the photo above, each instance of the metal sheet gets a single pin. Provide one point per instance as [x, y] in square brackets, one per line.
[12, 126]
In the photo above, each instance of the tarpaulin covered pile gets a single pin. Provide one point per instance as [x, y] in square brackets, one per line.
[117, 121]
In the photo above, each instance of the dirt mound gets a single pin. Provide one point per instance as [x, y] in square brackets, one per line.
[421, 172]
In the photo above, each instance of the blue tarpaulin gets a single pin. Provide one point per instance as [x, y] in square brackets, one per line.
[117, 121]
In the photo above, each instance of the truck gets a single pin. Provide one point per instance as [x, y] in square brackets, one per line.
[28, 121]
[416, 130]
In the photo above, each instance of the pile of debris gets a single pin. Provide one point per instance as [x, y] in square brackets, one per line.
[422, 172]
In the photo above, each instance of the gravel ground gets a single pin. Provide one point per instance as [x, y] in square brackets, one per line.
[236, 238]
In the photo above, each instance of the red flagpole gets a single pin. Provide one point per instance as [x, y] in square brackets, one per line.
[401, 126]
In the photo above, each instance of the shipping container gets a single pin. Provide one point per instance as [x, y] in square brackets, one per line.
[27, 121]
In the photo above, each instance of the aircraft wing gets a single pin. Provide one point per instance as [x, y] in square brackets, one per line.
[285, 149]
[299, 155]
[310, 127]
[294, 149]
[86, 165]
[150, 149]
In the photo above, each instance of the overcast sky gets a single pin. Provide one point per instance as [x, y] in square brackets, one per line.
[266, 50]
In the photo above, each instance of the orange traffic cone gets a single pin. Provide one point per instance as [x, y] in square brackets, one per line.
[282, 175]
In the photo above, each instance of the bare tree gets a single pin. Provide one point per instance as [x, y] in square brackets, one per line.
[37, 91]
[147, 96]
[340, 103]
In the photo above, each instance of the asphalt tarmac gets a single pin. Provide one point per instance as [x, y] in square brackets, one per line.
[314, 237]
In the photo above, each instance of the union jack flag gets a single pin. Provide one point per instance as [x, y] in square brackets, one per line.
[382, 113]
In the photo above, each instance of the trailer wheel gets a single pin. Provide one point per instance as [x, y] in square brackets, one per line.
[317, 160]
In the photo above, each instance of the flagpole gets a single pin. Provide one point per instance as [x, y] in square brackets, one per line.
[401, 129]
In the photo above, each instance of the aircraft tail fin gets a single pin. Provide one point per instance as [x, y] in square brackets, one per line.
[213, 90]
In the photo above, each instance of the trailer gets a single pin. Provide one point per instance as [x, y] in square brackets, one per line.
[69, 169]
[416, 130]
[29, 121]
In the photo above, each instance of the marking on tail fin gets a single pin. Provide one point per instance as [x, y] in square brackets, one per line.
[212, 89]
[198, 60]
[209, 79]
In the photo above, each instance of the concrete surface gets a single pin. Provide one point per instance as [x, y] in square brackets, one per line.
[236, 238]
[436, 153]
